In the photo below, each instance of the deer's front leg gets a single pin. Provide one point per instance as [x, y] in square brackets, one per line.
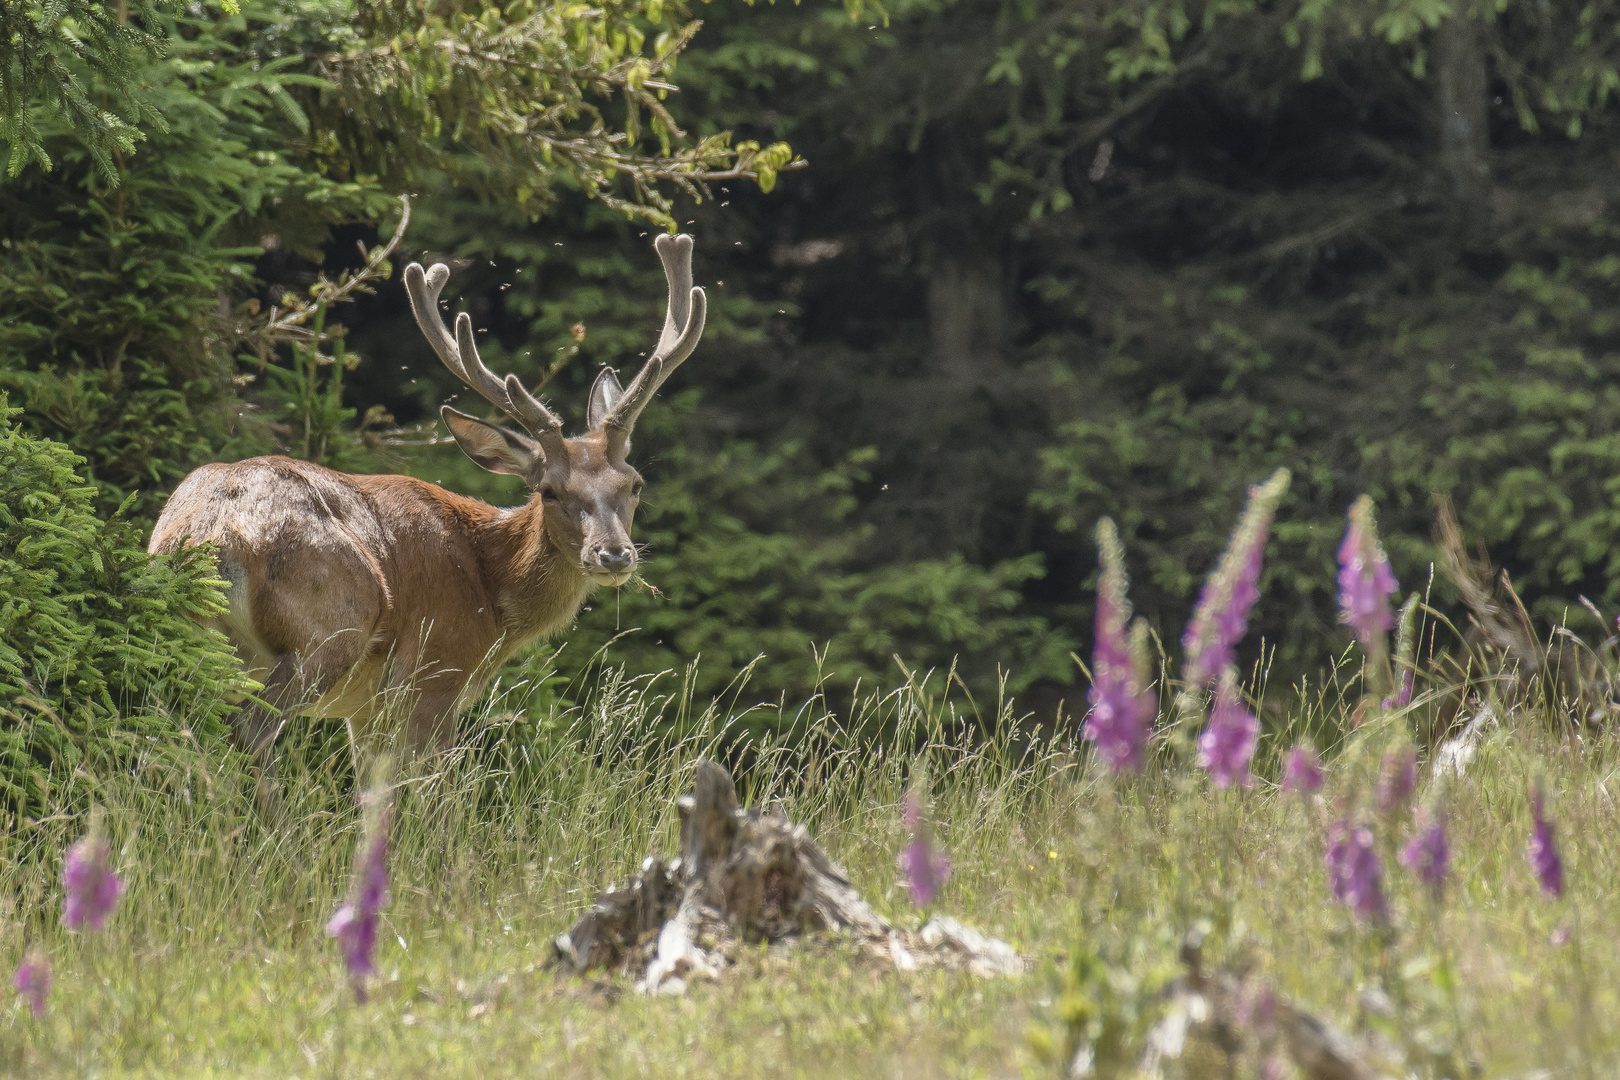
[431, 727]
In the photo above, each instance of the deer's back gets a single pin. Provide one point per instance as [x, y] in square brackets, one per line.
[325, 565]
[248, 506]
[299, 546]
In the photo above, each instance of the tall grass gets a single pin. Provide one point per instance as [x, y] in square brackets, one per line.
[216, 958]
[215, 962]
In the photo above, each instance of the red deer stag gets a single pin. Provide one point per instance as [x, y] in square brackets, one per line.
[389, 601]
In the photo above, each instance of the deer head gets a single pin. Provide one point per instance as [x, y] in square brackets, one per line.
[587, 489]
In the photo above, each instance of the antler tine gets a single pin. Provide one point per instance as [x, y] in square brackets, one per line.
[683, 327]
[507, 393]
[423, 290]
[531, 411]
[460, 354]
[675, 252]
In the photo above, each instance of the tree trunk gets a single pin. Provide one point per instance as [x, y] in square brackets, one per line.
[1465, 130]
[966, 320]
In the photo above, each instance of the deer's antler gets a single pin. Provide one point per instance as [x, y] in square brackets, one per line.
[460, 355]
[683, 326]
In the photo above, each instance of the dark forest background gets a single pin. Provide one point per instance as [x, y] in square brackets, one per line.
[1046, 261]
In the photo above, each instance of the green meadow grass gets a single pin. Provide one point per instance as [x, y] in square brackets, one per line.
[215, 962]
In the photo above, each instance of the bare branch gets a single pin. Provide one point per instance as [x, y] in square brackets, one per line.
[288, 325]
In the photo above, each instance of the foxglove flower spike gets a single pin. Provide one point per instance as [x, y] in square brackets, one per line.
[90, 889]
[926, 868]
[1365, 580]
[1122, 707]
[33, 980]
[1354, 872]
[1427, 854]
[1230, 737]
[1542, 851]
[1222, 615]
[1302, 770]
[354, 925]
[1397, 780]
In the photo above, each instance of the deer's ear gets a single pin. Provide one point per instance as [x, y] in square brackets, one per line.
[498, 449]
[605, 393]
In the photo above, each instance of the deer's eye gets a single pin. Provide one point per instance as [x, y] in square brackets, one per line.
[548, 494]
[635, 489]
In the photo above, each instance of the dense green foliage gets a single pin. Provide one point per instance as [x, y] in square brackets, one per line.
[130, 295]
[46, 48]
[1057, 261]
[1121, 263]
[101, 662]
[1047, 262]
[116, 342]
[753, 543]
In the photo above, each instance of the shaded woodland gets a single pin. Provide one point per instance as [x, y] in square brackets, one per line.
[1044, 262]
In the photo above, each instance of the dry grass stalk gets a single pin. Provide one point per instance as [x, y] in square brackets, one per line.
[1505, 659]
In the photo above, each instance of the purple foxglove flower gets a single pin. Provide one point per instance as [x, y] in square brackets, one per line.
[1122, 707]
[1427, 854]
[1354, 872]
[1230, 737]
[1402, 697]
[1365, 580]
[1397, 779]
[1302, 771]
[1542, 852]
[90, 888]
[926, 868]
[355, 923]
[1222, 615]
[357, 935]
[33, 980]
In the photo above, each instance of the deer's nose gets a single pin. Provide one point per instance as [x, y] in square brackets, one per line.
[616, 559]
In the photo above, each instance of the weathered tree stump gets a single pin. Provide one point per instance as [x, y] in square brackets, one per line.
[743, 875]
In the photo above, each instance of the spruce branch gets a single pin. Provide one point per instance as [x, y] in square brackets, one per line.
[51, 52]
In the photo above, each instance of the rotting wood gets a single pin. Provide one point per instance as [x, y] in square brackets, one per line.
[747, 875]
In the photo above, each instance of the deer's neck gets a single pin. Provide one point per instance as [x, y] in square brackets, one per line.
[538, 588]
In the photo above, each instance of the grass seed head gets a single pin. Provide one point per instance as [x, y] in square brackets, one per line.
[1405, 655]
